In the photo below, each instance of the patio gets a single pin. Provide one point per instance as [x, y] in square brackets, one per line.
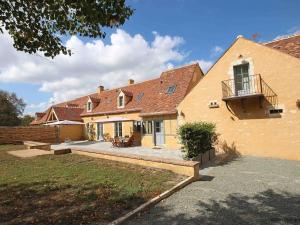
[107, 146]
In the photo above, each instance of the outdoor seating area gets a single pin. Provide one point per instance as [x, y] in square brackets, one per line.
[122, 141]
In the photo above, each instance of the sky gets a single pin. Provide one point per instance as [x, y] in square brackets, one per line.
[162, 34]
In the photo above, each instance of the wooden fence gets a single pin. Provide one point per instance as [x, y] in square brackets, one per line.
[45, 134]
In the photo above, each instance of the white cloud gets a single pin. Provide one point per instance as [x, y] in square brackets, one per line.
[215, 51]
[33, 107]
[204, 64]
[291, 32]
[92, 63]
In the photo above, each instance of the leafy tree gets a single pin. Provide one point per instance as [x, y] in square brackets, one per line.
[38, 25]
[26, 120]
[11, 107]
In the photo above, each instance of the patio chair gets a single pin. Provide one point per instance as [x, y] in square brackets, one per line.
[128, 142]
[116, 142]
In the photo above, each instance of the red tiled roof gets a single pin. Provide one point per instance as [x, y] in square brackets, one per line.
[62, 112]
[148, 97]
[127, 93]
[38, 121]
[289, 45]
[68, 113]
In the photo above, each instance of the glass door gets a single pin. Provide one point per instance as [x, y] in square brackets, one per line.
[100, 131]
[159, 132]
[241, 79]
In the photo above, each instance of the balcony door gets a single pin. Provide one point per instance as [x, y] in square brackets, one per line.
[241, 79]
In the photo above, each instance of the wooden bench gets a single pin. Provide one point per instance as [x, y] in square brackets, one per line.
[37, 145]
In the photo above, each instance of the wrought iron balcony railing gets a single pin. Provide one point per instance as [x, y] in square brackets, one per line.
[251, 86]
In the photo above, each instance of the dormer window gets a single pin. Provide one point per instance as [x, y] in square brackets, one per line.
[89, 106]
[121, 101]
[171, 89]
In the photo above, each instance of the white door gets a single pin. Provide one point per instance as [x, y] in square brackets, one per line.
[100, 131]
[159, 132]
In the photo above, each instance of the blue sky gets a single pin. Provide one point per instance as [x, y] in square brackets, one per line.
[182, 31]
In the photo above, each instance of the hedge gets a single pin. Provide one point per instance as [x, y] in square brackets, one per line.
[197, 138]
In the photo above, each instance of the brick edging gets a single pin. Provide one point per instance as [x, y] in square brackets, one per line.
[153, 201]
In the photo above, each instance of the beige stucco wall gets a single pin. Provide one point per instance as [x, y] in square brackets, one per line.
[71, 132]
[253, 131]
[170, 128]
[127, 127]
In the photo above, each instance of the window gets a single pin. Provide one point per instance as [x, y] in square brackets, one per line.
[139, 97]
[275, 111]
[118, 129]
[137, 126]
[171, 89]
[147, 127]
[121, 101]
[89, 106]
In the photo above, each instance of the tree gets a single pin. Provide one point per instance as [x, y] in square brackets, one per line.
[26, 120]
[11, 107]
[38, 25]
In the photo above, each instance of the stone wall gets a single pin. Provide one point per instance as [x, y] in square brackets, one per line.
[10, 135]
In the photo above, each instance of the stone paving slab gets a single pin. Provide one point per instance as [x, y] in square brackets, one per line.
[29, 153]
[136, 150]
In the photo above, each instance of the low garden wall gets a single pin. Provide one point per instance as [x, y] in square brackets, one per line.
[187, 168]
[11, 135]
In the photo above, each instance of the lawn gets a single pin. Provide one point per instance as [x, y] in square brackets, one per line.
[73, 189]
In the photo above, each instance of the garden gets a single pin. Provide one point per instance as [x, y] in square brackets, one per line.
[73, 189]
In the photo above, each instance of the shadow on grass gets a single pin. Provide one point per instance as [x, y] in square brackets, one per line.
[267, 207]
[50, 203]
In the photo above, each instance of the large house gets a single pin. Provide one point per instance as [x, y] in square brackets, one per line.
[147, 110]
[252, 95]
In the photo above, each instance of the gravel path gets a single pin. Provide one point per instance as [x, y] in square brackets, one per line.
[249, 190]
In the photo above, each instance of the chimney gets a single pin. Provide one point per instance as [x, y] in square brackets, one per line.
[100, 89]
[130, 81]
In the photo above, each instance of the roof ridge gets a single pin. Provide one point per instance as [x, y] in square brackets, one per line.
[283, 38]
[181, 67]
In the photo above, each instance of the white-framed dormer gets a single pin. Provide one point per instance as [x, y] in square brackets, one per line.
[89, 105]
[121, 100]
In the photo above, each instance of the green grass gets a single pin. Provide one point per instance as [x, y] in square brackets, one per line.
[73, 189]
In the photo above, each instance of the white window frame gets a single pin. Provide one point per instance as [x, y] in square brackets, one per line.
[117, 130]
[89, 103]
[118, 100]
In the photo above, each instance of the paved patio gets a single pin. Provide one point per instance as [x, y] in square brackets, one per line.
[107, 146]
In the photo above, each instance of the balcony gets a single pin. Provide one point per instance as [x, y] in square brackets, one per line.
[252, 86]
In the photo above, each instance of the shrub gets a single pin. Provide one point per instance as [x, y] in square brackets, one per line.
[91, 133]
[197, 138]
